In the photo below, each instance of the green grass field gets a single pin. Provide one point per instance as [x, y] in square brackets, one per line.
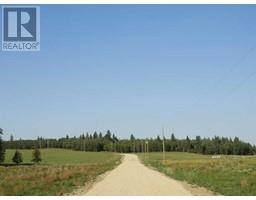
[228, 175]
[60, 172]
[63, 157]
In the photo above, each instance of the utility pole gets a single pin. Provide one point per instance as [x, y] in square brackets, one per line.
[83, 144]
[146, 147]
[163, 145]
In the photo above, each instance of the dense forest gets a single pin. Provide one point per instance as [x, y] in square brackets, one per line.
[109, 142]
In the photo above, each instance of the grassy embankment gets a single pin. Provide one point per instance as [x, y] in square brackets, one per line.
[228, 175]
[60, 172]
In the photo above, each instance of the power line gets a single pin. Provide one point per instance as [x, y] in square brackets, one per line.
[243, 81]
[234, 67]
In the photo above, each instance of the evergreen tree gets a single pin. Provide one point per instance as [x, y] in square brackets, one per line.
[17, 158]
[95, 135]
[36, 156]
[187, 145]
[198, 145]
[11, 138]
[173, 139]
[108, 135]
[2, 149]
[132, 137]
[114, 138]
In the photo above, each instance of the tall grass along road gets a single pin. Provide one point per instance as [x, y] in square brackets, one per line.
[226, 175]
[131, 177]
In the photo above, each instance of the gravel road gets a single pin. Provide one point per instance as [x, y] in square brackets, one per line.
[131, 177]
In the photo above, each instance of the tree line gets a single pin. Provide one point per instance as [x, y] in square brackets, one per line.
[109, 142]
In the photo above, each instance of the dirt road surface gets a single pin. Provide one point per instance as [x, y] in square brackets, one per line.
[131, 177]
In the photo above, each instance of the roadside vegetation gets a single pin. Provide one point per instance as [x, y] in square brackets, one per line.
[59, 172]
[226, 175]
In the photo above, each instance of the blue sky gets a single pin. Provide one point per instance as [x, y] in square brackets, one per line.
[134, 69]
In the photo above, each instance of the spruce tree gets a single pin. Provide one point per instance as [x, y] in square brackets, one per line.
[95, 135]
[17, 158]
[132, 137]
[36, 156]
[2, 149]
